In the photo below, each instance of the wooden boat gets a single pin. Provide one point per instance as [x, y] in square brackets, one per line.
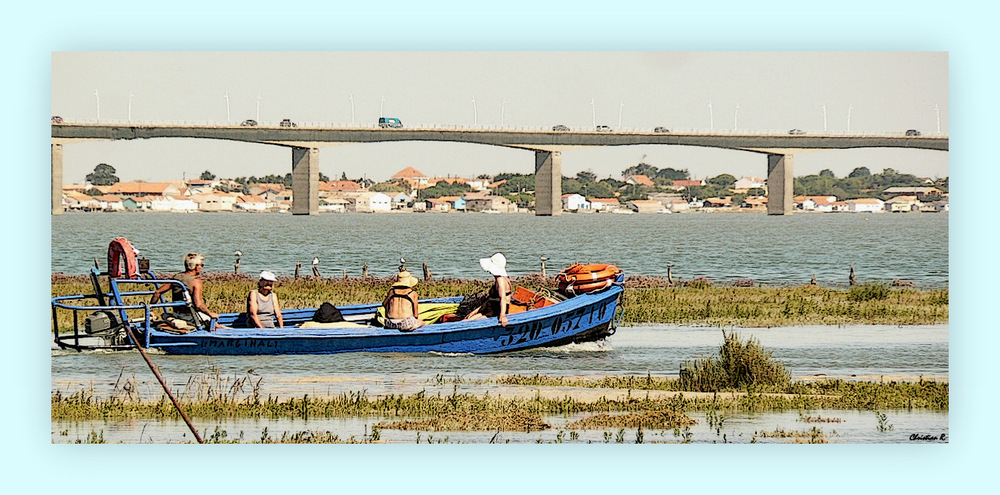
[119, 317]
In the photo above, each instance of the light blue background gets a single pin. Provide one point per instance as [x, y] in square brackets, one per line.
[33, 32]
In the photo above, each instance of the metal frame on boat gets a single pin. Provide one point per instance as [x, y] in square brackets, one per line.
[105, 314]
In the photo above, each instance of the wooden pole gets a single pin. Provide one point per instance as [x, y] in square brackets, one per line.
[152, 367]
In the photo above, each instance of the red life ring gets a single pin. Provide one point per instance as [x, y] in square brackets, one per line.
[580, 279]
[118, 251]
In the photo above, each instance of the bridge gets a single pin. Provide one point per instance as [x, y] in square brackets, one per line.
[548, 145]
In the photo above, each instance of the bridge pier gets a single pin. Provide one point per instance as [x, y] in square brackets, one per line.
[548, 183]
[779, 184]
[57, 173]
[305, 181]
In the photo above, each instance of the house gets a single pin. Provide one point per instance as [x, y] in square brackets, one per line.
[645, 206]
[140, 188]
[921, 193]
[814, 203]
[137, 203]
[483, 203]
[215, 202]
[746, 183]
[718, 202]
[902, 204]
[251, 202]
[639, 180]
[415, 178]
[371, 202]
[78, 201]
[758, 202]
[682, 184]
[340, 186]
[865, 205]
[604, 204]
[109, 202]
[400, 201]
[575, 202]
[454, 202]
[437, 204]
[677, 205]
[334, 205]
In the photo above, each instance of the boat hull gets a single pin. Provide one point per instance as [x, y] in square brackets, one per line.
[587, 317]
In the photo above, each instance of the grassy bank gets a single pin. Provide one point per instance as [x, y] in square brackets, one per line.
[646, 300]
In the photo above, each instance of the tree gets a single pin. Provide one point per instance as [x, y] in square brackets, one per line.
[672, 174]
[860, 172]
[103, 175]
[722, 180]
[206, 175]
[586, 176]
[827, 173]
[343, 176]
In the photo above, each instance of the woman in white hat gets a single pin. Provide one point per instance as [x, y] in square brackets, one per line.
[498, 297]
[401, 304]
[262, 303]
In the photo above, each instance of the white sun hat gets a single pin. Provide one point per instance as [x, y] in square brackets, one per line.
[266, 275]
[496, 264]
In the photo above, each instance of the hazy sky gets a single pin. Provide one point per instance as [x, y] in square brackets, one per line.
[765, 91]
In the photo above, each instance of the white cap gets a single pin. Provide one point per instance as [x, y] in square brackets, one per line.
[266, 275]
[496, 264]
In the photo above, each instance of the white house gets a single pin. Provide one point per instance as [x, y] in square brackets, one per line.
[335, 205]
[575, 202]
[400, 200]
[604, 204]
[747, 183]
[251, 202]
[214, 202]
[865, 205]
[370, 202]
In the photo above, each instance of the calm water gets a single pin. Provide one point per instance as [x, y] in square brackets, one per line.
[723, 247]
[869, 352]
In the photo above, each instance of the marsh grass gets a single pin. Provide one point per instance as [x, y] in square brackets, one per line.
[646, 299]
[740, 365]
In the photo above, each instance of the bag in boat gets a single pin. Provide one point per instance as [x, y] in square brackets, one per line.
[327, 313]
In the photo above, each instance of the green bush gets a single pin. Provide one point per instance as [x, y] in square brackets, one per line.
[740, 365]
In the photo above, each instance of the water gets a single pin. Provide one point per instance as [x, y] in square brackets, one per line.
[853, 352]
[723, 247]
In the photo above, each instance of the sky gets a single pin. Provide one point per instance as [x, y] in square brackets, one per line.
[859, 91]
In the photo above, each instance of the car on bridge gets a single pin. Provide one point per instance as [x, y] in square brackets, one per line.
[796, 132]
[603, 128]
[560, 128]
[912, 132]
[56, 119]
[249, 123]
[287, 123]
[661, 129]
[390, 122]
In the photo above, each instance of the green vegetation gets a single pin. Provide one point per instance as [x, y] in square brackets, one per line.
[740, 365]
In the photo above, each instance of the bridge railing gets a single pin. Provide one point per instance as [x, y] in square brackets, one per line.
[493, 128]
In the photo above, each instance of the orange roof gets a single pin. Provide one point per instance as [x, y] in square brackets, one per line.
[138, 188]
[640, 179]
[340, 185]
[409, 173]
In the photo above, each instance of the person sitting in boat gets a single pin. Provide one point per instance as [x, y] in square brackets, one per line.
[263, 308]
[498, 298]
[401, 304]
[194, 263]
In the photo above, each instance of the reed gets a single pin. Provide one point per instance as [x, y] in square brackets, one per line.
[740, 365]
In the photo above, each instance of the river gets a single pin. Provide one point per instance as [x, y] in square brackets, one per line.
[771, 250]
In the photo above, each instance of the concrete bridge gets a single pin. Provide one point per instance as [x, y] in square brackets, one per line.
[547, 145]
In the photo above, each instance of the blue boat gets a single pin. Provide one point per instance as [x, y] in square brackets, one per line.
[120, 317]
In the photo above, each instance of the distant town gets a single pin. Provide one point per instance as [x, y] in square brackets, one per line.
[643, 189]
